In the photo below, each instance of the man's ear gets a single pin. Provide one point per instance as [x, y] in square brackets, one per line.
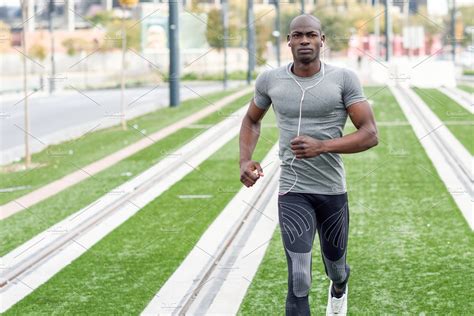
[288, 39]
[323, 40]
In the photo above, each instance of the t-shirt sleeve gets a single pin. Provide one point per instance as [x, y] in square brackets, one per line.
[352, 91]
[261, 97]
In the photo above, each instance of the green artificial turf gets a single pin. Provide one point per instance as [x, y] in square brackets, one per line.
[59, 160]
[458, 120]
[24, 225]
[122, 272]
[410, 249]
[466, 88]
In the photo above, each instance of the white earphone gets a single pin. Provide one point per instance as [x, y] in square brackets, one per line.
[303, 90]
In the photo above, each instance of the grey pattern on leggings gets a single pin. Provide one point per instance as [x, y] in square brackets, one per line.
[334, 232]
[336, 270]
[301, 272]
[334, 228]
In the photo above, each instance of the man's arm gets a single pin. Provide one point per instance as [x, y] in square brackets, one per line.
[364, 138]
[249, 134]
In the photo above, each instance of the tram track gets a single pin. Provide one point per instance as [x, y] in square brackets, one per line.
[451, 159]
[461, 97]
[227, 255]
[56, 247]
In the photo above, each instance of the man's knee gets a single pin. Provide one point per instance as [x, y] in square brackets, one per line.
[337, 271]
[301, 273]
[301, 283]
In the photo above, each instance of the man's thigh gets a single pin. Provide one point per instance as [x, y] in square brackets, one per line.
[297, 222]
[332, 216]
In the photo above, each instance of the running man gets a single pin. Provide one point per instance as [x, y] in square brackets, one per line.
[311, 101]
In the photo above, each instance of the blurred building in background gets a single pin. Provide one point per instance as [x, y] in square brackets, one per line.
[355, 31]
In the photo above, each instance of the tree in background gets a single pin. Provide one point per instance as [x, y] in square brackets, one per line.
[215, 29]
[263, 30]
[464, 25]
[5, 36]
[195, 7]
[238, 30]
[38, 51]
[337, 28]
[102, 18]
[113, 26]
[285, 18]
[113, 34]
[74, 46]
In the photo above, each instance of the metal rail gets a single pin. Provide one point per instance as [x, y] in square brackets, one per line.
[265, 193]
[458, 168]
[37, 257]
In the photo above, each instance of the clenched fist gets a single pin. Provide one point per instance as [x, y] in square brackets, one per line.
[306, 147]
[250, 172]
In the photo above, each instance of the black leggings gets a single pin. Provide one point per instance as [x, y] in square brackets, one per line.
[300, 215]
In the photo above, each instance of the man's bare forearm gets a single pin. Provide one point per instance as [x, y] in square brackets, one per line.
[249, 134]
[360, 140]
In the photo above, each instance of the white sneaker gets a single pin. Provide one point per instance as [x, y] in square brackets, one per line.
[337, 306]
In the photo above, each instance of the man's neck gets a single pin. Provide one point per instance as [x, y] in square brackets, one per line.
[306, 70]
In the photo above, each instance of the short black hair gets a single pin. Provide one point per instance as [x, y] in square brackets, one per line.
[306, 16]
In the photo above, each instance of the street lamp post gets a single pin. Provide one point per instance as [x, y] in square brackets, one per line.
[225, 23]
[377, 30]
[453, 30]
[277, 33]
[250, 41]
[24, 15]
[174, 71]
[124, 4]
[51, 34]
[388, 31]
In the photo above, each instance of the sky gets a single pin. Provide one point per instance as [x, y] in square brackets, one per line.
[10, 3]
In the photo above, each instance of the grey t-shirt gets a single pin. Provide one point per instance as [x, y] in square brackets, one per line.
[323, 116]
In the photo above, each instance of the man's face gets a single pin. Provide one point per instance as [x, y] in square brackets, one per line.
[305, 41]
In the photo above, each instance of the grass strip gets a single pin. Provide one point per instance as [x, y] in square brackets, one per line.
[57, 161]
[469, 89]
[24, 225]
[121, 273]
[457, 119]
[410, 249]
